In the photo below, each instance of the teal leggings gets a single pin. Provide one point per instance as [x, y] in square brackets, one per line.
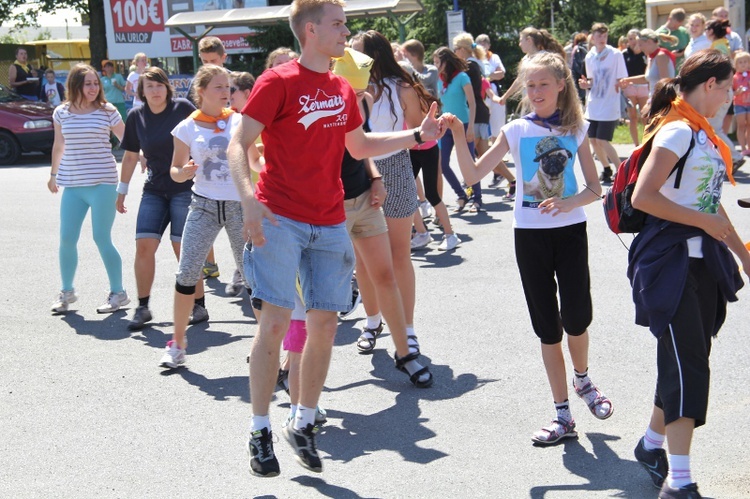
[75, 203]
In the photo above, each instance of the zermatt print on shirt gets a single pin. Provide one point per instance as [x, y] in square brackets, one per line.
[305, 116]
[547, 169]
[322, 106]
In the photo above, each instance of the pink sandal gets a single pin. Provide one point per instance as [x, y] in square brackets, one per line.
[552, 434]
[595, 400]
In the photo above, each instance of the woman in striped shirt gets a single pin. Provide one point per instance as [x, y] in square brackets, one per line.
[83, 163]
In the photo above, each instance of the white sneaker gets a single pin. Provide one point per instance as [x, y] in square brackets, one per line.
[420, 240]
[235, 287]
[321, 416]
[425, 209]
[60, 306]
[174, 356]
[114, 302]
[449, 242]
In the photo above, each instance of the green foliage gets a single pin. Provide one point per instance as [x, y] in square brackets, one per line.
[270, 38]
[10, 39]
[24, 13]
[44, 34]
[633, 15]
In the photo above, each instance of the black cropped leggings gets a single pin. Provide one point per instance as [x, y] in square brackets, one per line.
[428, 160]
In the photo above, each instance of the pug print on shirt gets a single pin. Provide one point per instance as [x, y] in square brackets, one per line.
[553, 175]
[546, 165]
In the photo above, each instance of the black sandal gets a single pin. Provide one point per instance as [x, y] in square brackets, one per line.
[414, 378]
[366, 341]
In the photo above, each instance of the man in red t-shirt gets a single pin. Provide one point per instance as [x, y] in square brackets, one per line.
[295, 215]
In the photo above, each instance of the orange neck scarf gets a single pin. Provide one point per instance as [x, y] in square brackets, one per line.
[220, 121]
[682, 111]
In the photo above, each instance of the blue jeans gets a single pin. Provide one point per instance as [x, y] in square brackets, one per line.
[446, 147]
[158, 210]
[323, 255]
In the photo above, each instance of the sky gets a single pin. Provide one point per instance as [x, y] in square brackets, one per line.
[58, 18]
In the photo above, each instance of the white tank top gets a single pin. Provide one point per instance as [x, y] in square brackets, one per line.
[382, 119]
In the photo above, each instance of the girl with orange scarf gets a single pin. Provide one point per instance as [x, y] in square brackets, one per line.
[200, 155]
[680, 265]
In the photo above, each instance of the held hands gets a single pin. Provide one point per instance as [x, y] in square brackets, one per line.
[584, 83]
[52, 185]
[120, 204]
[556, 205]
[377, 193]
[432, 128]
[253, 213]
[452, 122]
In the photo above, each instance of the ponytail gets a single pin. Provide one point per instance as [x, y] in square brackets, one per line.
[665, 92]
[550, 44]
[696, 70]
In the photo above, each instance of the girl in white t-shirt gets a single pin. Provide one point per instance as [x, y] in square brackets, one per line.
[200, 154]
[82, 163]
[680, 265]
[140, 61]
[550, 226]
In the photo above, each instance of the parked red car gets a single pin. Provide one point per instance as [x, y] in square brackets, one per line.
[25, 126]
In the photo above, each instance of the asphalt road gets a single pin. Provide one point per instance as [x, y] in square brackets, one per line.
[87, 412]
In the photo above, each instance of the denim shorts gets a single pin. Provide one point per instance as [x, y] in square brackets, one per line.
[159, 210]
[323, 254]
[741, 109]
[481, 131]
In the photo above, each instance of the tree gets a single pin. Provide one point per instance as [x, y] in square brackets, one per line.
[26, 14]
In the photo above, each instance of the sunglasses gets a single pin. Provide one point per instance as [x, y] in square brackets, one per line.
[232, 90]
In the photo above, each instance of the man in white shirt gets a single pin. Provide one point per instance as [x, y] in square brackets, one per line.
[605, 67]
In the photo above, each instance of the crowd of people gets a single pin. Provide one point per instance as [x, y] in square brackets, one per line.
[370, 116]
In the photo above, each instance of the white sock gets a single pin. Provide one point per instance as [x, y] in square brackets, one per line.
[410, 332]
[581, 379]
[653, 440]
[304, 417]
[563, 411]
[260, 422]
[679, 471]
[292, 410]
[373, 321]
[413, 366]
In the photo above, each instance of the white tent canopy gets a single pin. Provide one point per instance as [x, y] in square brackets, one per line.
[265, 16]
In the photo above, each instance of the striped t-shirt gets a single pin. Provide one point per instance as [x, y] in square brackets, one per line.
[87, 159]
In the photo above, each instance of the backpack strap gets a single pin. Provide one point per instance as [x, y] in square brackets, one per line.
[680, 165]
